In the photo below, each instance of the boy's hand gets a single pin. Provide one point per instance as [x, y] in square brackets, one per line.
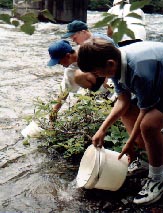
[98, 138]
[53, 116]
[129, 151]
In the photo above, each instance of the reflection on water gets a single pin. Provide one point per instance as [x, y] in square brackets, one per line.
[31, 181]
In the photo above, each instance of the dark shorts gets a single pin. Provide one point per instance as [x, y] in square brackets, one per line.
[158, 106]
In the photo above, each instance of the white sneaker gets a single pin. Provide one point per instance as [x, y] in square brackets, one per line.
[137, 166]
[150, 193]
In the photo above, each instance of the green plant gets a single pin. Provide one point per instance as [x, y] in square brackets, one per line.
[102, 5]
[25, 21]
[115, 22]
[158, 5]
[6, 3]
[71, 132]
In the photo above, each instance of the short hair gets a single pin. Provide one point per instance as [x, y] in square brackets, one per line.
[95, 53]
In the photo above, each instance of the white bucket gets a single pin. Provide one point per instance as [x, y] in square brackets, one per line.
[32, 130]
[101, 169]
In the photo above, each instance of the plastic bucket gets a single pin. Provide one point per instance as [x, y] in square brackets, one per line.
[32, 130]
[101, 169]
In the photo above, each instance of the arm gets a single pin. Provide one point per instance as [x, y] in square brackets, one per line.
[130, 142]
[62, 96]
[121, 106]
[84, 80]
[110, 31]
[65, 88]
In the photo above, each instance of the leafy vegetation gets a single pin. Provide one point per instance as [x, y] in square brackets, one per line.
[157, 5]
[71, 132]
[6, 4]
[154, 6]
[24, 21]
[102, 5]
[115, 22]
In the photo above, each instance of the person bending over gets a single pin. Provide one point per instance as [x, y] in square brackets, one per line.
[135, 69]
[61, 52]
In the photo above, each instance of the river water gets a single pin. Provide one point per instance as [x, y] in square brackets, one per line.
[32, 181]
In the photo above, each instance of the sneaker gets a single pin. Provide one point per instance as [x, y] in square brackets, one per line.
[137, 166]
[150, 193]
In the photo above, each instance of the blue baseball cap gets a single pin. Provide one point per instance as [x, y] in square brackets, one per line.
[75, 27]
[58, 50]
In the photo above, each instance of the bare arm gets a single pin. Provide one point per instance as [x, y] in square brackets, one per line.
[130, 142]
[120, 107]
[109, 31]
[84, 80]
[62, 96]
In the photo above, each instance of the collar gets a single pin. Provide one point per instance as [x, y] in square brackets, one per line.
[123, 67]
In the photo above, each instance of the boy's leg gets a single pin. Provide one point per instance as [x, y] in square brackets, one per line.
[128, 119]
[136, 165]
[153, 138]
[151, 132]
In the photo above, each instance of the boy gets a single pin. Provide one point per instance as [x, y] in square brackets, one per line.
[78, 32]
[135, 69]
[61, 52]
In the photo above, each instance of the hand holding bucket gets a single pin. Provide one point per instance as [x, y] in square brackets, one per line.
[101, 169]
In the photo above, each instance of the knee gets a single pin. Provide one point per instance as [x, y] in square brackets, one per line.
[147, 127]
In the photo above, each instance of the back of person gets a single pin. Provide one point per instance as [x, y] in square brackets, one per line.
[143, 67]
[134, 24]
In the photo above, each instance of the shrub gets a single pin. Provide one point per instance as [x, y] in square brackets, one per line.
[73, 129]
[6, 4]
[99, 5]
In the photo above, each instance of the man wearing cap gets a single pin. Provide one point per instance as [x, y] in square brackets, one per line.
[61, 52]
[121, 8]
[78, 31]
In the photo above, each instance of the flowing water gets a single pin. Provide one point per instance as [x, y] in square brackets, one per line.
[32, 181]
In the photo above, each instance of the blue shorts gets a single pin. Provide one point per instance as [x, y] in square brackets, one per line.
[158, 106]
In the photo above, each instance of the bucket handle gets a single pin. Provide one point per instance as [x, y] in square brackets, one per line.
[100, 152]
[100, 168]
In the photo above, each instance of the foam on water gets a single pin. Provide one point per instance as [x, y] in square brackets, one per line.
[68, 193]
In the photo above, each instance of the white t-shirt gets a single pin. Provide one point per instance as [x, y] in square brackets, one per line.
[68, 82]
[132, 23]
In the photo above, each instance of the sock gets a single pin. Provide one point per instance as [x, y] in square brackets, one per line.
[156, 173]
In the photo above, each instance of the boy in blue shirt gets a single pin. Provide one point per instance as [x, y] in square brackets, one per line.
[135, 69]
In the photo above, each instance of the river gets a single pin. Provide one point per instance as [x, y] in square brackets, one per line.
[32, 181]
